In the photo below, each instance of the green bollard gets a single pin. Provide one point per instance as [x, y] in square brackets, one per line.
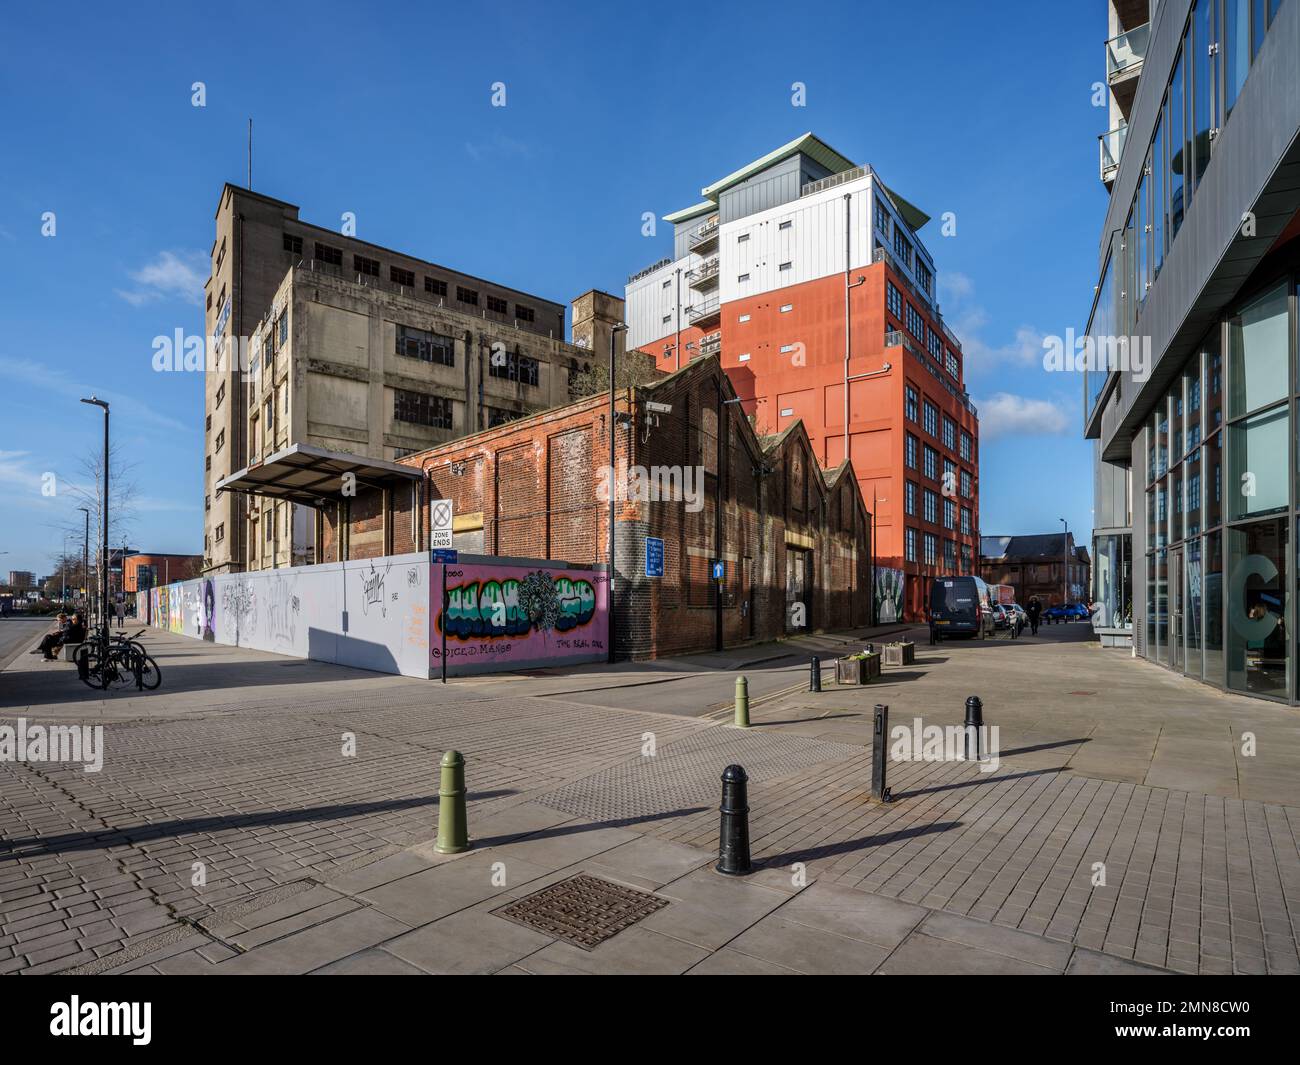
[742, 703]
[453, 835]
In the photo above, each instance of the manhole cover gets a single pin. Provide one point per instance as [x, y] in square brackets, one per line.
[583, 910]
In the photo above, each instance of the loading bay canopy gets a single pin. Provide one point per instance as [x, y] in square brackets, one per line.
[313, 476]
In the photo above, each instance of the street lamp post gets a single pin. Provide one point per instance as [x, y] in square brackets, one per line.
[85, 560]
[103, 580]
[613, 494]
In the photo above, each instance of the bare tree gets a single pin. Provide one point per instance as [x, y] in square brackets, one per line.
[632, 369]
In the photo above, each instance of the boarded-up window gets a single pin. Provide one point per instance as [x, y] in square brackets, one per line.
[573, 514]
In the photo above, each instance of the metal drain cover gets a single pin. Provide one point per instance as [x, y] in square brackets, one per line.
[583, 910]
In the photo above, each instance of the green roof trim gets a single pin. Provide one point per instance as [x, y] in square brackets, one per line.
[807, 144]
[912, 214]
[687, 213]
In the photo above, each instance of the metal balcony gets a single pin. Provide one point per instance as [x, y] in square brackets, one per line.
[705, 237]
[1112, 150]
[711, 344]
[705, 314]
[704, 276]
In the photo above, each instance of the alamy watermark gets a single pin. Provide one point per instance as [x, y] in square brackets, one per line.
[1127, 354]
[21, 742]
[919, 742]
[654, 484]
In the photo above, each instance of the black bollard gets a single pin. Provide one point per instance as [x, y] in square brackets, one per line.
[815, 675]
[974, 722]
[733, 838]
[880, 754]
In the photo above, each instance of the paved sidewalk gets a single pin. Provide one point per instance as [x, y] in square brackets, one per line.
[235, 831]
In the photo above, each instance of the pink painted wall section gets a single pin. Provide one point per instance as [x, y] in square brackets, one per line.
[501, 617]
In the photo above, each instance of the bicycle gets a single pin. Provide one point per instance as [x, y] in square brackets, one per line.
[111, 662]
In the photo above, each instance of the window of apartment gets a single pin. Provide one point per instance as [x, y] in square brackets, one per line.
[910, 403]
[221, 439]
[785, 225]
[292, 244]
[882, 219]
[268, 523]
[466, 295]
[208, 423]
[426, 346]
[327, 254]
[784, 266]
[915, 323]
[949, 472]
[931, 466]
[742, 277]
[909, 451]
[525, 314]
[909, 498]
[951, 364]
[420, 408]
[221, 532]
[497, 305]
[966, 558]
[931, 422]
[499, 416]
[931, 499]
[949, 514]
[965, 451]
[362, 265]
[743, 318]
[668, 283]
[515, 367]
[902, 248]
[268, 349]
[207, 462]
[966, 520]
[209, 307]
[966, 483]
[742, 238]
[666, 319]
[924, 278]
[207, 502]
[909, 544]
[934, 343]
[949, 433]
[950, 555]
[435, 287]
[282, 327]
[931, 549]
[398, 276]
[786, 308]
[894, 300]
[269, 409]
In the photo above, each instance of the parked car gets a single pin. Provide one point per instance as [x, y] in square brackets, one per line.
[960, 606]
[1066, 612]
[1022, 617]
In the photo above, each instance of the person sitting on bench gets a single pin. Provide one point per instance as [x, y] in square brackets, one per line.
[53, 639]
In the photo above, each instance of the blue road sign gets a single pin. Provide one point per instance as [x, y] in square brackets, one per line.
[442, 554]
[654, 556]
[719, 570]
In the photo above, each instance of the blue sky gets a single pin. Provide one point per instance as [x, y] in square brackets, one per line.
[612, 110]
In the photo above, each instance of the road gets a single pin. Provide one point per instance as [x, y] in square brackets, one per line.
[18, 635]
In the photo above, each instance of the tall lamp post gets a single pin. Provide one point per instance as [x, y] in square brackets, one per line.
[1065, 561]
[613, 494]
[103, 579]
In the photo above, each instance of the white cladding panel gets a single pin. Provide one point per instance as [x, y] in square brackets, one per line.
[653, 298]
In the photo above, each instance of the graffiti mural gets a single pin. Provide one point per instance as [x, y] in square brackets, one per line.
[889, 595]
[209, 611]
[504, 617]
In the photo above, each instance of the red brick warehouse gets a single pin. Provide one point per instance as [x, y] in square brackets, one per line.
[804, 272]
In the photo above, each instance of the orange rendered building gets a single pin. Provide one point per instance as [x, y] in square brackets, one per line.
[759, 277]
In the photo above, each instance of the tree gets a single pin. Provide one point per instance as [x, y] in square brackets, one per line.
[633, 369]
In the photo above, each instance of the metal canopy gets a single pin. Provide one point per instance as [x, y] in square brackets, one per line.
[313, 476]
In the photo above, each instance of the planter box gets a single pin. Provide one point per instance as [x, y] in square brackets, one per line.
[857, 670]
[900, 654]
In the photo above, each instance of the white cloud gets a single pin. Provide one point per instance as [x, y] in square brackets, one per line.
[1004, 414]
[169, 276]
[49, 378]
[968, 320]
[16, 471]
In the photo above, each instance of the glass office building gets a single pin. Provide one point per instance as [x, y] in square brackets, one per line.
[1194, 412]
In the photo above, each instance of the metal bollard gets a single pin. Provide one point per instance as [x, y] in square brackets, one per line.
[742, 703]
[733, 837]
[815, 675]
[880, 754]
[974, 722]
[453, 832]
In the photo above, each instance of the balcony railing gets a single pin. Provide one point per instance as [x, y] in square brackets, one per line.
[896, 339]
[702, 312]
[1112, 150]
[711, 344]
[1126, 51]
[835, 179]
[705, 275]
[704, 235]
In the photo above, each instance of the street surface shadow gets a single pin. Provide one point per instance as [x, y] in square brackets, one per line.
[831, 850]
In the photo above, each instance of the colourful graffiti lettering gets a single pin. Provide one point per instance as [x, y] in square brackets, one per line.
[517, 607]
